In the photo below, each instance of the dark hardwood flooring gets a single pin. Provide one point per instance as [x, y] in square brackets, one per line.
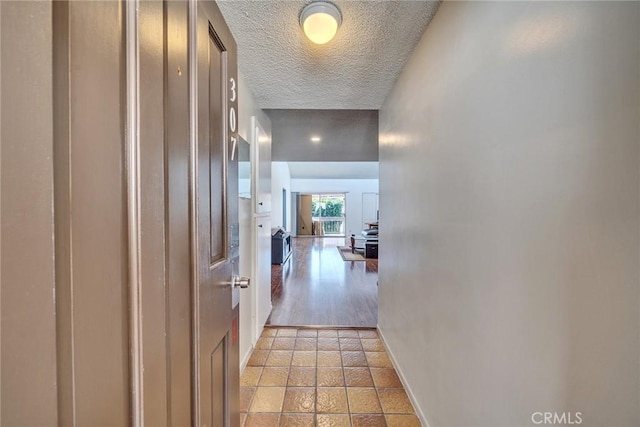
[316, 287]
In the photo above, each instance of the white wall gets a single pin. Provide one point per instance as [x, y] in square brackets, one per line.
[354, 189]
[280, 178]
[248, 307]
[509, 182]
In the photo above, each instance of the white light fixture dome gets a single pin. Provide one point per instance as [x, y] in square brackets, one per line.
[320, 21]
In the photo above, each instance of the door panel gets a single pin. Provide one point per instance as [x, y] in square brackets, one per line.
[263, 271]
[217, 157]
[215, 208]
[261, 146]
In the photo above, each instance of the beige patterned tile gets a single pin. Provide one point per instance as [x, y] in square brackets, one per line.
[250, 376]
[258, 358]
[333, 420]
[378, 360]
[353, 358]
[269, 332]
[288, 332]
[297, 420]
[243, 418]
[329, 358]
[371, 345]
[363, 401]
[357, 377]
[348, 333]
[304, 358]
[268, 399]
[306, 344]
[368, 420]
[264, 343]
[331, 399]
[350, 344]
[330, 377]
[302, 377]
[385, 378]
[368, 334]
[394, 420]
[274, 376]
[299, 399]
[328, 333]
[395, 401]
[279, 358]
[308, 333]
[262, 420]
[286, 343]
[246, 395]
[328, 344]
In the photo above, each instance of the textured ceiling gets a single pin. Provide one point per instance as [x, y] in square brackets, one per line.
[353, 71]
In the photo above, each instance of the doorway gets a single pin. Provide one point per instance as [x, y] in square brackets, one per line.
[322, 214]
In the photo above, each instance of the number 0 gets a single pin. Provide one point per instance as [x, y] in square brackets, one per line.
[232, 119]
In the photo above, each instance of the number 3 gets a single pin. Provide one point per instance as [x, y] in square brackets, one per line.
[233, 90]
[232, 111]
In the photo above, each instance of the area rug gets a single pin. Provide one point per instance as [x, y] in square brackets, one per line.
[345, 253]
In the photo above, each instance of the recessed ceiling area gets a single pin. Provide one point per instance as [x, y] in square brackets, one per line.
[324, 135]
[355, 70]
[333, 170]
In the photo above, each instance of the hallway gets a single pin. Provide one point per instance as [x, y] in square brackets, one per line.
[317, 287]
[496, 144]
[326, 377]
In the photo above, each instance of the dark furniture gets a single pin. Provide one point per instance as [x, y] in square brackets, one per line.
[369, 237]
[371, 249]
[280, 246]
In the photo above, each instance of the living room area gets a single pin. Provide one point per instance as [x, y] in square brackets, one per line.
[329, 274]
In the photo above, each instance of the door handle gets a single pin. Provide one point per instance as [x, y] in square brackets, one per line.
[240, 282]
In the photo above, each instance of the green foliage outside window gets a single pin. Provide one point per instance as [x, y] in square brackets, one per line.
[329, 207]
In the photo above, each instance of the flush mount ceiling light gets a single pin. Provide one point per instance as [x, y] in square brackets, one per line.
[320, 21]
[315, 139]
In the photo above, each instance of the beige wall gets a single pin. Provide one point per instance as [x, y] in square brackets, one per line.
[27, 265]
[509, 182]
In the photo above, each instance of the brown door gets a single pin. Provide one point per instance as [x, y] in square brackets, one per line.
[119, 217]
[215, 222]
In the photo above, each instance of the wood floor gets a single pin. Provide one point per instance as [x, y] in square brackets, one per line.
[317, 287]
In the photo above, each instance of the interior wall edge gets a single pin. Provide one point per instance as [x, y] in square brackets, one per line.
[420, 412]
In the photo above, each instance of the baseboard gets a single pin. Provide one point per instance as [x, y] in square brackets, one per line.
[403, 379]
[245, 358]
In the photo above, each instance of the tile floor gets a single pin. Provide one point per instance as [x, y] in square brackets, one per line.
[322, 377]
